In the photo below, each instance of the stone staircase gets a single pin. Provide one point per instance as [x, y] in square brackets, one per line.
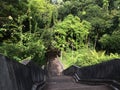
[68, 83]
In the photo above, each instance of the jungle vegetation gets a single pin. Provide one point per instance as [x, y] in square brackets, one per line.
[84, 31]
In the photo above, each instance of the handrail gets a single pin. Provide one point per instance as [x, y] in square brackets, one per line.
[115, 85]
[39, 85]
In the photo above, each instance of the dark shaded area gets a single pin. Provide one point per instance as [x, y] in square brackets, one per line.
[104, 70]
[71, 70]
[16, 76]
[50, 53]
[37, 73]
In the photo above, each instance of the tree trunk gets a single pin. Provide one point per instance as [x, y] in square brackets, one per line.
[54, 66]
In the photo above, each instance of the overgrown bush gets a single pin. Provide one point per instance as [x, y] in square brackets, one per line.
[71, 33]
[85, 57]
[31, 47]
[43, 13]
[111, 42]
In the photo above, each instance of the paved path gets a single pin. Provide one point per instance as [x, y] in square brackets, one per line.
[68, 83]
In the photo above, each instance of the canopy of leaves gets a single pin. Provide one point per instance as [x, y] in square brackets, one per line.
[42, 12]
[71, 32]
[111, 42]
[34, 25]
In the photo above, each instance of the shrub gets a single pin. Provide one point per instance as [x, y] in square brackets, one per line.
[31, 47]
[85, 57]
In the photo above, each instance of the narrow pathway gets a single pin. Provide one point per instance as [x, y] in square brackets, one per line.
[68, 83]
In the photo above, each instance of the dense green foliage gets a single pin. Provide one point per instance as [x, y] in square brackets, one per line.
[85, 57]
[79, 28]
[71, 33]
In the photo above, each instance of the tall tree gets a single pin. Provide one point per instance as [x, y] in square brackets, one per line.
[70, 33]
[42, 12]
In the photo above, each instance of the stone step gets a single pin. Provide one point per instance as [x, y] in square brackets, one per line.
[74, 86]
[68, 83]
[61, 79]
